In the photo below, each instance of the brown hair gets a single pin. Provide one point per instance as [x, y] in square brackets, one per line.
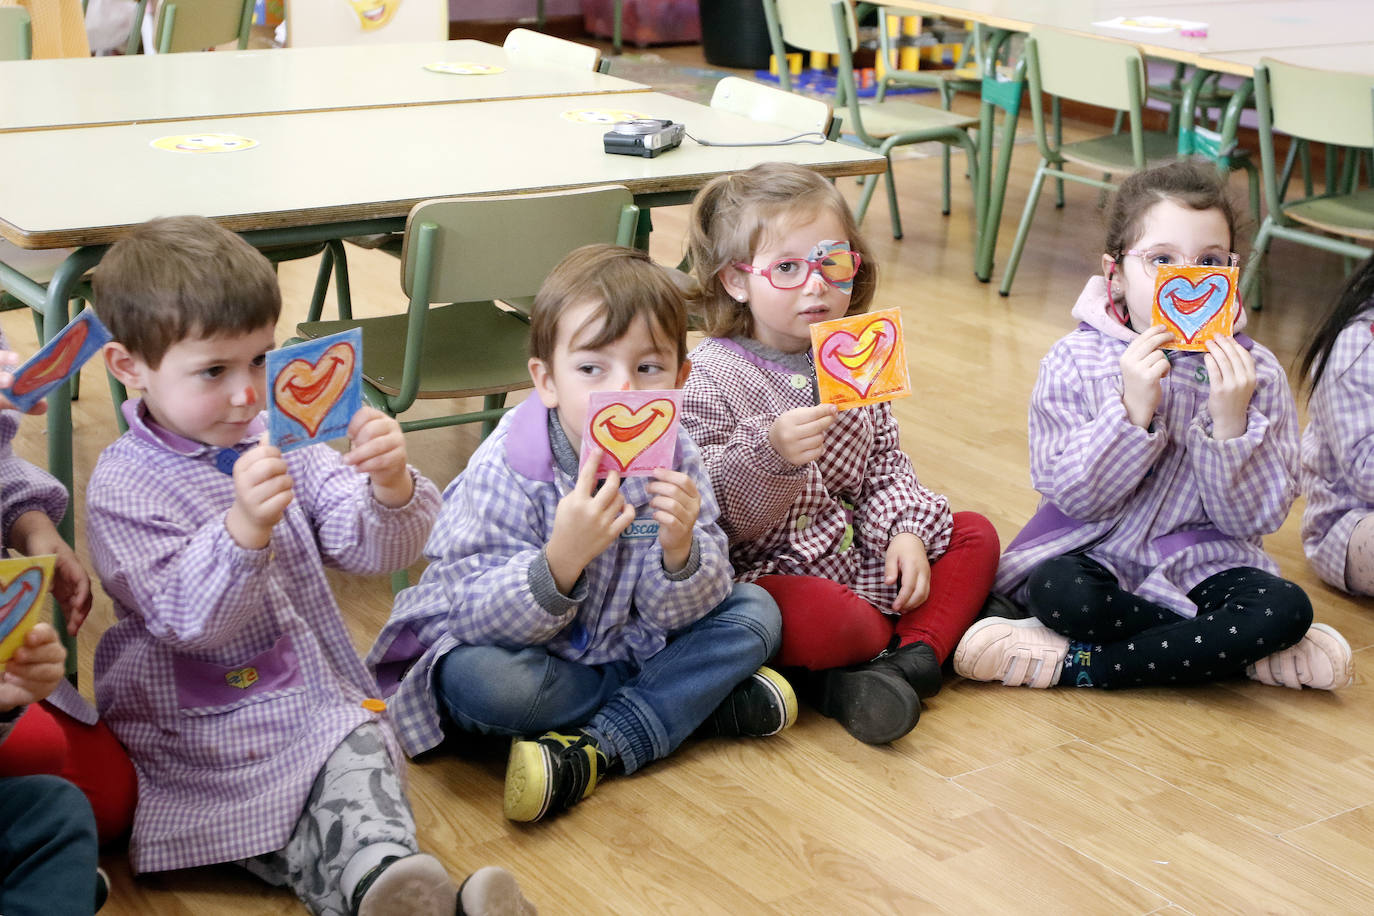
[180, 277]
[731, 218]
[1190, 182]
[625, 283]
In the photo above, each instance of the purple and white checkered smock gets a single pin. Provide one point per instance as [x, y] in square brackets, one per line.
[1338, 450]
[1163, 509]
[229, 675]
[488, 582]
[790, 520]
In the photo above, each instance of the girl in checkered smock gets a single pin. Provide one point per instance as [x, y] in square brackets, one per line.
[875, 577]
[1338, 445]
[1160, 470]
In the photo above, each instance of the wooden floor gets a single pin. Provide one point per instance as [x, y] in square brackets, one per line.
[1235, 797]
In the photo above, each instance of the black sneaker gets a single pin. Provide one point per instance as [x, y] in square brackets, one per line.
[550, 774]
[761, 705]
[413, 885]
[102, 889]
[914, 663]
[873, 704]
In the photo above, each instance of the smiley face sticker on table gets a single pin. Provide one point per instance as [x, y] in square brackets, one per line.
[204, 143]
[602, 116]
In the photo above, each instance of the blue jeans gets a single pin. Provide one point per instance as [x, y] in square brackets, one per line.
[637, 713]
[47, 848]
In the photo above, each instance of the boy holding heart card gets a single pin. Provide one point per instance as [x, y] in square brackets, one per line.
[874, 575]
[229, 674]
[594, 622]
[1160, 470]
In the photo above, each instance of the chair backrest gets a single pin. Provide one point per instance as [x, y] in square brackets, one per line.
[1327, 106]
[16, 41]
[1096, 71]
[313, 23]
[194, 25]
[806, 24]
[772, 106]
[503, 247]
[551, 51]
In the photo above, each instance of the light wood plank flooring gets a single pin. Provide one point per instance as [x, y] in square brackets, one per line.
[1235, 797]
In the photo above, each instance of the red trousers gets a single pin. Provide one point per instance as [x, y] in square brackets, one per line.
[826, 625]
[46, 740]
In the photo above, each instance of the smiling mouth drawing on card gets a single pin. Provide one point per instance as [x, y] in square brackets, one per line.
[1196, 303]
[316, 389]
[24, 583]
[860, 359]
[635, 430]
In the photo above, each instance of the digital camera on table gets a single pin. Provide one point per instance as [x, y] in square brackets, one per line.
[643, 137]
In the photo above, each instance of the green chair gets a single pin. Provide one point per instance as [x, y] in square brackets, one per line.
[878, 126]
[1095, 71]
[470, 252]
[1319, 106]
[16, 36]
[758, 102]
[194, 25]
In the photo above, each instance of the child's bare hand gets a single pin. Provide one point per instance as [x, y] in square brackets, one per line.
[262, 491]
[676, 504]
[798, 435]
[1143, 366]
[379, 451]
[586, 522]
[907, 562]
[1231, 381]
[33, 534]
[35, 669]
[9, 361]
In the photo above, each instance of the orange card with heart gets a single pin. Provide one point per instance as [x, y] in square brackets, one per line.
[860, 359]
[24, 583]
[315, 389]
[1196, 303]
[636, 430]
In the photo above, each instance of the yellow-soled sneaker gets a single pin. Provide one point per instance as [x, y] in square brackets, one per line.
[762, 704]
[551, 773]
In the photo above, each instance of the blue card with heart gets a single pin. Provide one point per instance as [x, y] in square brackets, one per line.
[58, 360]
[316, 388]
[24, 583]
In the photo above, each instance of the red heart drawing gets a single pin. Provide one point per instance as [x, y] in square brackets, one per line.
[56, 364]
[306, 392]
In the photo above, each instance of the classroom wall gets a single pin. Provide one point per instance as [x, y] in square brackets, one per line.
[509, 9]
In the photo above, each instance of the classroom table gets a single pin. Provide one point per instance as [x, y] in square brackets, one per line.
[1238, 34]
[175, 87]
[314, 176]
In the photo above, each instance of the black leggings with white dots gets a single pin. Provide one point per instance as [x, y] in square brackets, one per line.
[1123, 640]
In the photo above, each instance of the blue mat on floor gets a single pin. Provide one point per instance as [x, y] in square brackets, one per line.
[821, 83]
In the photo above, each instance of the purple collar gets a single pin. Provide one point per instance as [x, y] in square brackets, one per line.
[144, 427]
[528, 451]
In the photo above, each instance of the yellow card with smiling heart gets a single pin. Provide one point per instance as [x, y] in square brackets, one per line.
[635, 430]
[24, 583]
[860, 359]
[316, 388]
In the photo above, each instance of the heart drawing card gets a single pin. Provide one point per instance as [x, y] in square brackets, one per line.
[24, 583]
[58, 360]
[1196, 303]
[860, 359]
[314, 390]
[636, 430]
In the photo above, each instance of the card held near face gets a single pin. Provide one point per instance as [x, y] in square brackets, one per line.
[24, 583]
[860, 359]
[314, 389]
[1196, 303]
[58, 360]
[635, 430]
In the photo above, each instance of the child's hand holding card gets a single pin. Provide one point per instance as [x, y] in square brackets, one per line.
[860, 359]
[1196, 303]
[314, 389]
[635, 430]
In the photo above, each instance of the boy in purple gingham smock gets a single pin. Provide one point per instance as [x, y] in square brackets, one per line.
[603, 617]
[229, 673]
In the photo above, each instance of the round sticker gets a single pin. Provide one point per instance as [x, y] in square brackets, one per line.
[602, 115]
[204, 143]
[464, 68]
